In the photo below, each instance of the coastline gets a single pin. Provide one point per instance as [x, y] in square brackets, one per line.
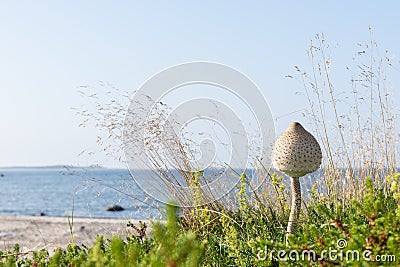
[37, 232]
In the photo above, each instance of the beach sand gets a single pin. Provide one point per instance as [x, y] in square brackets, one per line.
[36, 232]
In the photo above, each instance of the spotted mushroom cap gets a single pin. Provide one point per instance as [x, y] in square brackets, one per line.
[296, 152]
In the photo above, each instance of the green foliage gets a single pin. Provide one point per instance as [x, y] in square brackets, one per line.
[253, 237]
[250, 236]
[371, 224]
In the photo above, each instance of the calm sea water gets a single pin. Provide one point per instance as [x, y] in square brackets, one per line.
[84, 191]
[59, 191]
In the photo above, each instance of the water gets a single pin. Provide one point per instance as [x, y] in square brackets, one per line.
[59, 191]
[85, 191]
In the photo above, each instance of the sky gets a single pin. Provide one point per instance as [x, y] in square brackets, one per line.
[50, 48]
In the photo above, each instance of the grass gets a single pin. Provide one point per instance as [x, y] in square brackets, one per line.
[249, 237]
[350, 214]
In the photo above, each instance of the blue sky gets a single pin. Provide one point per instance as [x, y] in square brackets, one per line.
[49, 48]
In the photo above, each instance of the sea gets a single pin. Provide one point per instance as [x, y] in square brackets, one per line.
[80, 192]
[67, 191]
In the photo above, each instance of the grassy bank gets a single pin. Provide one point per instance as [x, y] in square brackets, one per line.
[356, 233]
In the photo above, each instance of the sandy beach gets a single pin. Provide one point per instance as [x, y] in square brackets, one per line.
[36, 232]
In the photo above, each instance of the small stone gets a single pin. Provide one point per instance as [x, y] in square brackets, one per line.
[114, 208]
[4, 234]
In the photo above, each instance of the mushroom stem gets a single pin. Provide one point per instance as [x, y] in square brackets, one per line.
[295, 207]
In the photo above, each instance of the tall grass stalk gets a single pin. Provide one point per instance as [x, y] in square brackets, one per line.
[358, 138]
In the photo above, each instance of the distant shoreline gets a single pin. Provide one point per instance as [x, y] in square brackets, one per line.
[54, 167]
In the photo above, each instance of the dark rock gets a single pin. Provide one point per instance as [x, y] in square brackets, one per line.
[1, 175]
[114, 208]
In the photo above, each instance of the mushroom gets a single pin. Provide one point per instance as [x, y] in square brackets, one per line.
[296, 153]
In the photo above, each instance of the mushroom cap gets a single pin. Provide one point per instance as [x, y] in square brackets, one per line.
[296, 152]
